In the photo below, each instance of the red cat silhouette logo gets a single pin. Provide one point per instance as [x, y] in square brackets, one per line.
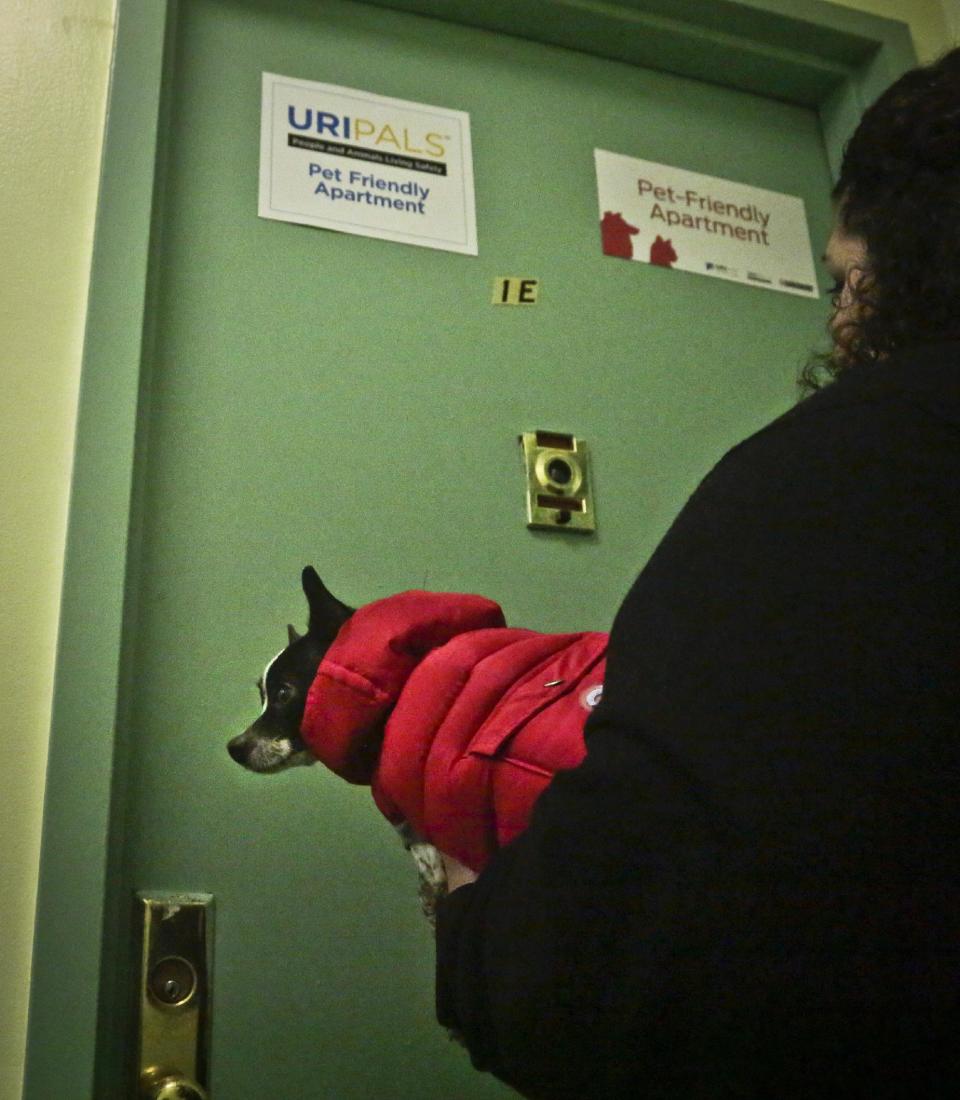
[616, 235]
[662, 253]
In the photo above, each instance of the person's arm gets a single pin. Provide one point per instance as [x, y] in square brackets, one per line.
[524, 958]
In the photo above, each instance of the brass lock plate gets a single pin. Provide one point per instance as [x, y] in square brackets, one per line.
[174, 995]
[559, 496]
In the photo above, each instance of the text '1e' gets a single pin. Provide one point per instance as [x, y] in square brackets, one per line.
[511, 291]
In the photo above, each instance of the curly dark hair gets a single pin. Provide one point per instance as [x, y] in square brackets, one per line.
[899, 192]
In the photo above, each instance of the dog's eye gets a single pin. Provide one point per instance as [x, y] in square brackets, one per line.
[284, 694]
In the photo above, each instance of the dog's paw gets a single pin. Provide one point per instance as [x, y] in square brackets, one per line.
[430, 871]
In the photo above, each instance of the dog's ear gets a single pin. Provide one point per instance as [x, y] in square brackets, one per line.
[292, 635]
[327, 613]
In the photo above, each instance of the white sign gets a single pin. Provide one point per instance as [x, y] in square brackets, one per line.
[673, 218]
[362, 163]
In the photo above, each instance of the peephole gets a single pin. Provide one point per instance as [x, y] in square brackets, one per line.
[559, 472]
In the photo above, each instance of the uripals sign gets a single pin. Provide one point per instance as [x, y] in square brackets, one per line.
[360, 163]
[674, 218]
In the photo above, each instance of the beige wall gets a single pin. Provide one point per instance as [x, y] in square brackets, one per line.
[951, 9]
[927, 19]
[54, 57]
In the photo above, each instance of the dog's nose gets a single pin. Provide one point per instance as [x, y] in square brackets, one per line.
[237, 751]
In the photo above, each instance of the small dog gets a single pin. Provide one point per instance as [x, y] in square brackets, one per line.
[273, 742]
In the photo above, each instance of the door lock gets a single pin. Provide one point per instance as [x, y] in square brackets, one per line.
[172, 981]
[174, 996]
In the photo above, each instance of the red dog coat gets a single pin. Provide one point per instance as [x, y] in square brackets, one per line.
[456, 721]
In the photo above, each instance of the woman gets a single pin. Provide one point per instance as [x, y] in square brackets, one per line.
[749, 888]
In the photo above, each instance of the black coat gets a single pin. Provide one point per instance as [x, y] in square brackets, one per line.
[750, 886]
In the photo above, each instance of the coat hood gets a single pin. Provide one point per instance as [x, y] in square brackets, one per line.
[363, 673]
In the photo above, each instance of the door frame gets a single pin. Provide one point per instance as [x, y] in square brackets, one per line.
[806, 52]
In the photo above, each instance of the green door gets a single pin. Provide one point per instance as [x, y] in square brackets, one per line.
[316, 397]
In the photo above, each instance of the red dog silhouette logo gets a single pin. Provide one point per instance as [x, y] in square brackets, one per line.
[617, 235]
[662, 253]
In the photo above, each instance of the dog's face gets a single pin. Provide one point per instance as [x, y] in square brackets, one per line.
[273, 742]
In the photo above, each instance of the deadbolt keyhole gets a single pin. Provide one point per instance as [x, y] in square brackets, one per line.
[172, 981]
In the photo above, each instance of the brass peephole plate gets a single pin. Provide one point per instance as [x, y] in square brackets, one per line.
[559, 497]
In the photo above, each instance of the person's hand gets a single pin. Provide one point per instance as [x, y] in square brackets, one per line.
[457, 873]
